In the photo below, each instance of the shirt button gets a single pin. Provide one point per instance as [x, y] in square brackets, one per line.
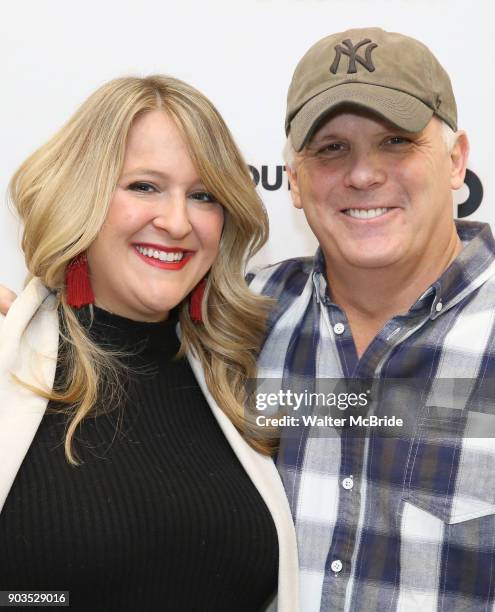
[336, 566]
[348, 483]
[439, 306]
[339, 328]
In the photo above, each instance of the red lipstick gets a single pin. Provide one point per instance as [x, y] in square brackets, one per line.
[164, 265]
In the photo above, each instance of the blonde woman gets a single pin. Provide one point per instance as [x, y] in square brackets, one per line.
[129, 476]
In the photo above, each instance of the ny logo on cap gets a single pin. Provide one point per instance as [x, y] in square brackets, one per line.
[351, 50]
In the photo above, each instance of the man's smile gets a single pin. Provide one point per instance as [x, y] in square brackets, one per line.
[366, 213]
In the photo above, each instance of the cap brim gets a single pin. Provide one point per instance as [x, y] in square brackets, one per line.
[402, 110]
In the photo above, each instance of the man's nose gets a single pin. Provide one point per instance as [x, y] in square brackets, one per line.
[173, 217]
[365, 171]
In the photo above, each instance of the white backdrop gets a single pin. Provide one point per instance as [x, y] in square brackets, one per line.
[240, 53]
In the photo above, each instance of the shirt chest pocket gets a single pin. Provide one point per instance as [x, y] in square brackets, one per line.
[450, 470]
[447, 518]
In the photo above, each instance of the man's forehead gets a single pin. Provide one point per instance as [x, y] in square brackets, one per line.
[349, 117]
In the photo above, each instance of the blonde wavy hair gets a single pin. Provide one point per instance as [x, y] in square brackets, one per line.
[62, 195]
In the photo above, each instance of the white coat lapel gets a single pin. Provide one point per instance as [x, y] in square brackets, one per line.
[28, 349]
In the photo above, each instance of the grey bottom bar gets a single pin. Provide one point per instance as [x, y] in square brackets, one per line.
[34, 599]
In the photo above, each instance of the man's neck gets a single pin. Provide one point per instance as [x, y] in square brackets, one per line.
[371, 297]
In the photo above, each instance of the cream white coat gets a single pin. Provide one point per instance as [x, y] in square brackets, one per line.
[29, 337]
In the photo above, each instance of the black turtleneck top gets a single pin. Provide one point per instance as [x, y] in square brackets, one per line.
[159, 516]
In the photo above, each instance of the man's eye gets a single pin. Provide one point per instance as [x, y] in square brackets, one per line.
[331, 147]
[142, 187]
[398, 140]
[203, 196]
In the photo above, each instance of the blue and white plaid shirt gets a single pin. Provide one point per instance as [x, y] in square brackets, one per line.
[383, 523]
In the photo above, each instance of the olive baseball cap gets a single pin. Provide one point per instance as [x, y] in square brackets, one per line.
[390, 74]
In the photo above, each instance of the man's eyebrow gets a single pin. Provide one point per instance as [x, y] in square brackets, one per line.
[327, 135]
[318, 139]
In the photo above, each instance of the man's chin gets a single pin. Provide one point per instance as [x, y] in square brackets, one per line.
[366, 254]
[372, 261]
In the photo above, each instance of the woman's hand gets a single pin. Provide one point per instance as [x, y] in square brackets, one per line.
[6, 298]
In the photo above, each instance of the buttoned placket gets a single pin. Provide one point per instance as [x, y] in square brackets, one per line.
[354, 448]
[343, 540]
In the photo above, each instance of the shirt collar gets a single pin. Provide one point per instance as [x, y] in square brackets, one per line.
[477, 255]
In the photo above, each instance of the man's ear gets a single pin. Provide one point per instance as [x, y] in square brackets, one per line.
[459, 158]
[294, 186]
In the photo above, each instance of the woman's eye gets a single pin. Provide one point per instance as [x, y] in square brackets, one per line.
[142, 187]
[203, 196]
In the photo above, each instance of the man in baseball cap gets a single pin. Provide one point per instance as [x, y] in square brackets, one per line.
[401, 297]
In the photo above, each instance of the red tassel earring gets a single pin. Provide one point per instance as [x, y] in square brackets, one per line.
[196, 300]
[79, 292]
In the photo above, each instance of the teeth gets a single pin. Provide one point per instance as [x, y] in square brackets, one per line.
[360, 213]
[161, 255]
